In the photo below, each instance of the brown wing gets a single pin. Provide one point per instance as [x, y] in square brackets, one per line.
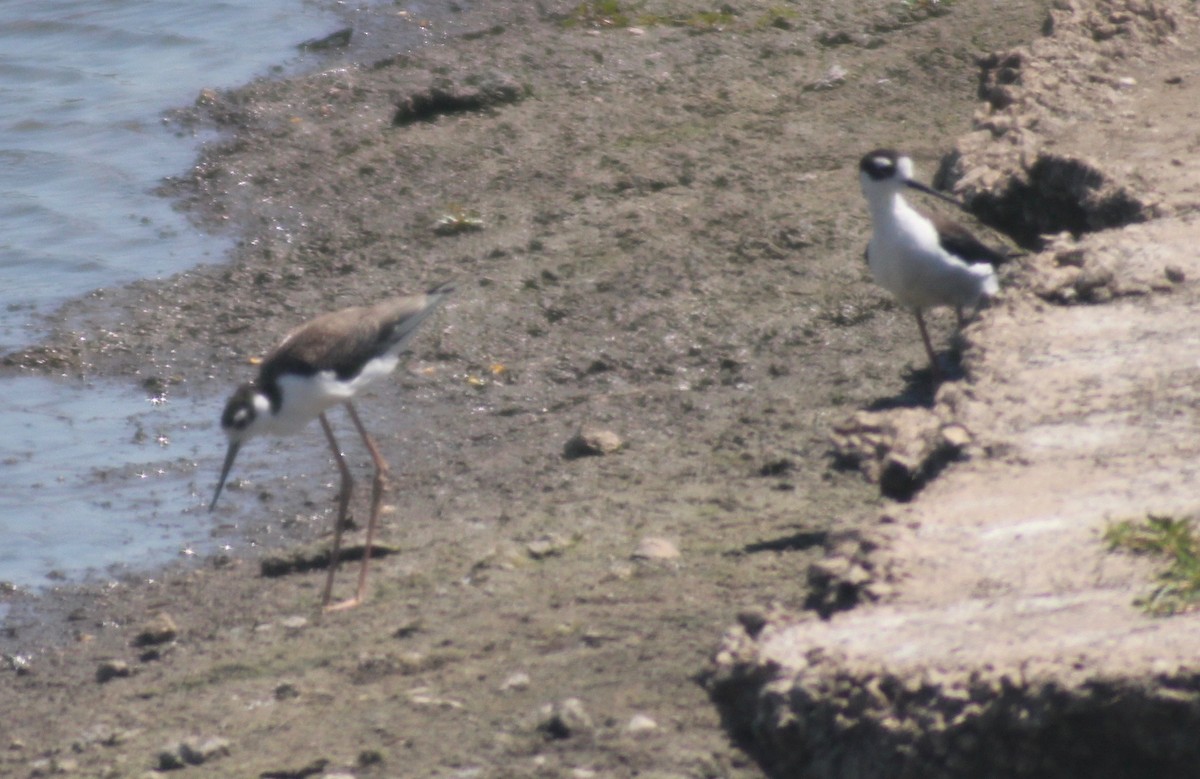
[343, 341]
[960, 242]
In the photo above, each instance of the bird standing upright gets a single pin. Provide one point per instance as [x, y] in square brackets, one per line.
[324, 362]
[923, 260]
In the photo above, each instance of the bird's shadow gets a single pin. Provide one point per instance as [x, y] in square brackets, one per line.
[920, 385]
[795, 542]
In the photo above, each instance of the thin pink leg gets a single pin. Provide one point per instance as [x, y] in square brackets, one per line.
[378, 485]
[343, 503]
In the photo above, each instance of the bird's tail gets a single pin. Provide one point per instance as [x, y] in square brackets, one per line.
[989, 285]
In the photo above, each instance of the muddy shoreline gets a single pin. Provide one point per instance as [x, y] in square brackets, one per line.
[658, 233]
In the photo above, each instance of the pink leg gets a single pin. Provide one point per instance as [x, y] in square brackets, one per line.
[343, 503]
[933, 363]
[378, 485]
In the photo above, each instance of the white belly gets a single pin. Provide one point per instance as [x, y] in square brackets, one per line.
[907, 260]
[305, 397]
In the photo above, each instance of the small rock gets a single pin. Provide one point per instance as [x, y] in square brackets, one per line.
[752, 621]
[286, 691]
[112, 669]
[311, 769]
[898, 449]
[833, 77]
[294, 623]
[169, 759]
[21, 665]
[161, 629]
[516, 681]
[653, 548]
[150, 654]
[548, 546]
[62, 765]
[334, 40]
[491, 90]
[592, 441]
[408, 629]
[640, 724]
[1175, 274]
[197, 751]
[422, 697]
[317, 557]
[956, 436]
[840, 581]
[566, 719]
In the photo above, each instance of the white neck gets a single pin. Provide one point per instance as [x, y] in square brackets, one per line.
[888, 205]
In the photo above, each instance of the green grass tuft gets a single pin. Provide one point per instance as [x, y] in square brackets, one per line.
[1175, 541]
[600, 13]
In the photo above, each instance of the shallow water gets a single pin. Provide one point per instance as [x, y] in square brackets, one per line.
[83, 87]
[95, 475]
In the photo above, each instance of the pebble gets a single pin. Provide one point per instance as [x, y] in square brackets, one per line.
[286, 691]
[591, 441]
[112, 669]
[654, 548]
[294, 623]
[53, 766]
[565, 719]
[194, 750]
[313, 768]
[22, 665]
[640, 724]
[197, 751]
[548, 545]
[516, 681]
[160, 629]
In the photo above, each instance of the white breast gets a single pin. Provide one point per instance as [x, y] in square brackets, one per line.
[304, 397]
[906, 258]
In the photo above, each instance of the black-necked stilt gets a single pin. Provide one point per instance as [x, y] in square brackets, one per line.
[324, 362]
[924, 260]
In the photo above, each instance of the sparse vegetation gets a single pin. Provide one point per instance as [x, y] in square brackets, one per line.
[1175, 541]
[600, 13]
[612, 14]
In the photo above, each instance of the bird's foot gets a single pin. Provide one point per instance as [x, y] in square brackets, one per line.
[343, 605]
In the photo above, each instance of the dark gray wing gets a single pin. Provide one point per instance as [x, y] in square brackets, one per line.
[960, 242]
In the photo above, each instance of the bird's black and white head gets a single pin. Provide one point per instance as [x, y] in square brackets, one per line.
[245, 413]
[884, 173]
[884, 168]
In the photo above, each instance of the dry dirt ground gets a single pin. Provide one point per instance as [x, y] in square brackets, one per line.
[655, 229]
[1011, 644]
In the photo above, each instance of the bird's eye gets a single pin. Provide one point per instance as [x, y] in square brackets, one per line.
[237, 417]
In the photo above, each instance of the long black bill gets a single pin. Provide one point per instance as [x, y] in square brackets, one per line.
[229, 457]
[931, 191]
